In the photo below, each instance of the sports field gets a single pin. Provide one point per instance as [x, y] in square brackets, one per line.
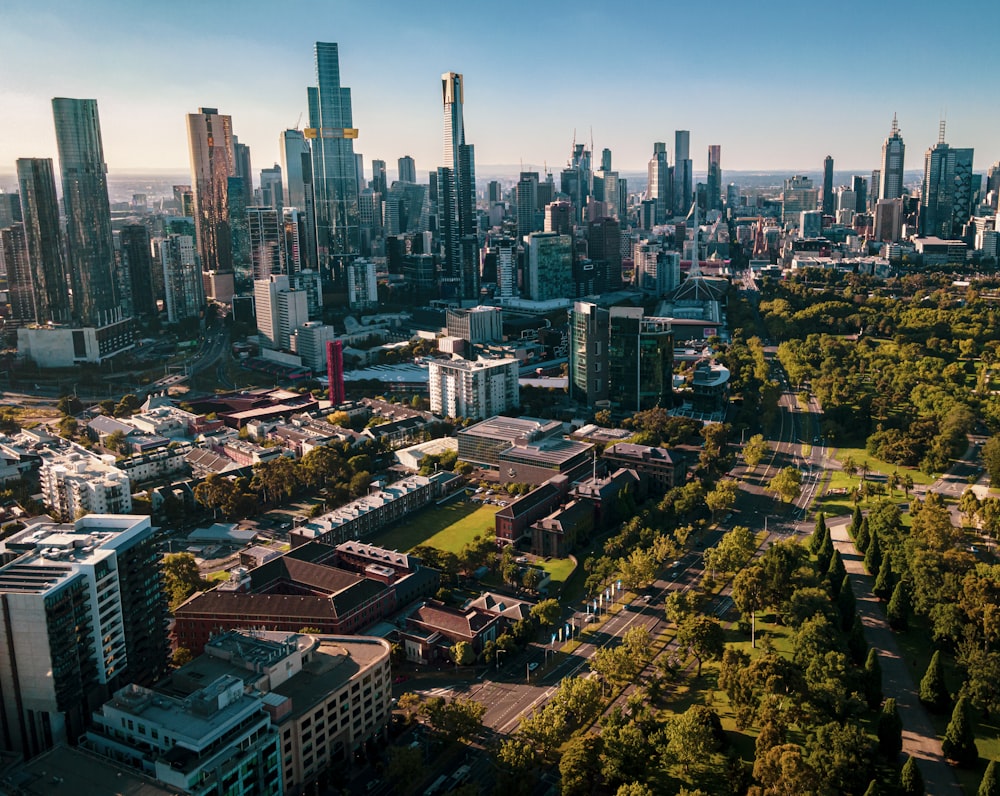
[449, 527]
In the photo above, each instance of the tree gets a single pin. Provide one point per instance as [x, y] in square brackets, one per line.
[959, 743]
[855, 525]
[748, 593]
[991, 459]
[181, 656]
[462, 654]
[885, 583]
[846, 605]
[990, 783]
[890, 731]
[784, 770]
[840, 754]
[819, 535]
[580, 765]
[911, 781]
[701, 637]
[115, 441]
[181, 578]
[723, 497]
[787, 484]
[69, 405]
[547, 612]
[531, 578]
[458, 720]
[754, 450]
[873, 680]
[873, 789]
[405, 765]
[898, 612]
[835, 573]
[873, 556]
[690, 737]
[68, 427]
[933, 691]
[863, 538]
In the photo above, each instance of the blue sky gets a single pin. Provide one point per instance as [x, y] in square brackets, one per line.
[778, 84]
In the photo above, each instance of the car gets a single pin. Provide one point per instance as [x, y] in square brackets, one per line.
[647, 598]
[590, 618]
[532, 666]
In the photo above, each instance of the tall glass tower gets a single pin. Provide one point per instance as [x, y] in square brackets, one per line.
[90, 246]
[683, 172]
[210, 138]
[335, 176]
[713, 187]
[40, 208]
[893, 150]
[459, 211]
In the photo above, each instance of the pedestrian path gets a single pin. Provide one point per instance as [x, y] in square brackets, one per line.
[899, 679]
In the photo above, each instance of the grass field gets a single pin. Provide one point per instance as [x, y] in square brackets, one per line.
[877, 466]
[449, 527]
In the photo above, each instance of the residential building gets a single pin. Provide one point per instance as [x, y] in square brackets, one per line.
[362, 287]
[295, 152]
[267, 239]
[183, 285]
[76, 481]
[137, 263]
[89, 244]
[549, 266]
[459, 388]
[476, 325]
[280, 311]
[22, 291]
[210, 138]
[83, 613]
[588, 354]
[309, 341]
[505, 250]
[640, 361]
[49, 286]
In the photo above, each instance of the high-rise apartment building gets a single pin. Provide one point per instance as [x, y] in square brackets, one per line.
[335, 176]
[457, 206]
[683, 172]
[526, 197]
[294, 151]
[559, 217]
[658, 181]
[21, 289]
[604, 246]
[891, 176]
[137, 262]
[549, 266]
[407, 169]
[243, 169]
[83, 612]
[505, 250]
[588, 353]
[40, 210]
[459, 388]
[476, 325]
[89, 244]
[640, 360]
[272, 193]
[362, 288]
[713, 186]
[183, 287]
[380, 182]
[267, 250]
[210, 139]
[828, 203]
[280, 311]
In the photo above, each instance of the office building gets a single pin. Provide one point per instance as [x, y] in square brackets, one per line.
[559, 217]
[294, 152]
[604, 247]
[658, 185]
[640, 360]
[481, 389]
[683, 173]
[20, 285]
[267, 241]
[549, 266]
[713, 186]
[272, 193]
[309, 341]
[137, 263]
[588, 353]
[828, 205]
[798, 195]
[407, 169]
[83, 613]
[476, 325]
[657, 272]
[889, 220]
[362, 287]
[335, 178]
[860, 187]
[89, 244]
[243, 170]
[380, 181]
[48, 281]
[946, 191]
[891, 176]
[505, 250]
[526, 198]
[182, 279]
[210, 138]
[280, 311]
[810, 224]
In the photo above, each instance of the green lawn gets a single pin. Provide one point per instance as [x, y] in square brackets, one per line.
[560, 569]
[860, 455]
[449, 527]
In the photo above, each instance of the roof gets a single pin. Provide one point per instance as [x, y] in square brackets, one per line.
[502, 605]
[451, 621]
[525, 503]
[103, 424]
[628, 450]
[62, 770]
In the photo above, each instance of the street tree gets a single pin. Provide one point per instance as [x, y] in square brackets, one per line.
[754, 450]
[911, 781]
[898, 611]
[933, 691]
[959, 742]
[733, 551]
[990, 783]
[703, 638]
[690, 737]
[462, 653]
[841, 755]
[784, 770]
[547, 612]
[872, 679]
[787, 484]
[580, 765]
[890, 731]
[723, 497]
[749, 591]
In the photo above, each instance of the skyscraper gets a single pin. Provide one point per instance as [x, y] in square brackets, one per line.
[891, 178]
[380, 183]
[860, 187]
[293, 147]
[526, 196]
[271, 192]
[658, 181]
[640, 360]
[243, 169]
[828, 204]
[183, 286]
[20, 285]
[459, 236]
[683, 172]
[210, 139]
[335, 176]
[407, 169]
[40, 210]
[89, 244]
[946, 191]
[137, 260]
[267, 251]
[713, 188]
[588, 353]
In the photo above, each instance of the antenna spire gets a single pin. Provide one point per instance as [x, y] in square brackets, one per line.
[941, 127]
[895, 124]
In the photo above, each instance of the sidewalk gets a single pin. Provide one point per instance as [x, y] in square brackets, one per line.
[899, 680]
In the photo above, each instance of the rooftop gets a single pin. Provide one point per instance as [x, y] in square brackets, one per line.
[63, 769]
[513, 429]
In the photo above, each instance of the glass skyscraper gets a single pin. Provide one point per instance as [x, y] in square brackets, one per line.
[40, 208]
[458, 205]
[335, 176]
[210, 138]
[90, 246]
[891, 176]
[713, 188]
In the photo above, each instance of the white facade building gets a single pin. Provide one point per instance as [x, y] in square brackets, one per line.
[362, 287]
[481, 389]
[182, 279]
[309, 342]
[76, 481]
[280, 311]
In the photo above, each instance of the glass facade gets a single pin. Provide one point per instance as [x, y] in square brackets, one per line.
[90, 246]
[40, 207]
[210, 138]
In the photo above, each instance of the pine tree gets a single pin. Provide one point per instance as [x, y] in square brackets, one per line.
[835, 573]
[886, 580]
[873, 680]
[911, 781]
[890, 731]
[855, 525]
[819, 535]
[873, 556]
[856, 644]
[863, 536]
[933, 691]
[846, 604]
[898, 612]
[990, 784]
[825, 555]
[959, 742]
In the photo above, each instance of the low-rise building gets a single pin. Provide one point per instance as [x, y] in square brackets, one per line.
[557, 534]
[74, 481]
[512, 522]
[665, 469]
[433, 628]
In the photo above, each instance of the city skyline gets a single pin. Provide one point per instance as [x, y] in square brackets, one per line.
[711, 83]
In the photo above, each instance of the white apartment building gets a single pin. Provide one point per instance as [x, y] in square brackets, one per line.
[481, 389]
[74, 481]
[362, 287]
[280, 311]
